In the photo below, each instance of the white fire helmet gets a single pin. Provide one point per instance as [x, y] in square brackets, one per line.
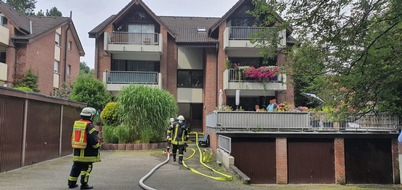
[88, 112]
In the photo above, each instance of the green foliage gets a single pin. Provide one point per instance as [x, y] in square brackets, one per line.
[53, 12]
[64, 91]
[109, 135]
[347, 52]
[24, 88]
[110, 114]
[25, 7]
[146, 110]
[84, 69]
[30, 80]
[40, 13]
[123, 134]
[90, 90]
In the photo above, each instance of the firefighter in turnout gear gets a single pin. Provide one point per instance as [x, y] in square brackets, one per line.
[169, 135]
[86, 146]
[179, 138]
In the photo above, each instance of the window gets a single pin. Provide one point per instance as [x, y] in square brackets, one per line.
[3, 57]
[69, 70]
[57, 39]
[56, 66]
[190, 78]
[3, 21]
[70, 45]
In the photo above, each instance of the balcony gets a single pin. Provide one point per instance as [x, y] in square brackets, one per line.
[237, 41]
[116, 80]
[141, 44]
[284, 122]
[233, 79]
[4, 36]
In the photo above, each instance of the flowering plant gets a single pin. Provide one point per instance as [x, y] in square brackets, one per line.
[262, 72]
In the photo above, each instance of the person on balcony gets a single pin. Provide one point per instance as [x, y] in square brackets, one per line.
[272, 105]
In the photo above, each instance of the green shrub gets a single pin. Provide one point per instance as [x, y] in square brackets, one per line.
[110, 114]
[30, 80]
[109, 136]
[24, 88]
[90, 90]
[122, 133]
[146, 111]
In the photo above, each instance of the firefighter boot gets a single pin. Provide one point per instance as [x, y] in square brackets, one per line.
[181, 160]
[72, 184]
[174, 157]
[86, 186]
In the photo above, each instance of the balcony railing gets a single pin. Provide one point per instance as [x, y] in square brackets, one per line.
[243, 33]
[134, 38]
[298, 121]
[237, 75]
[129, 77]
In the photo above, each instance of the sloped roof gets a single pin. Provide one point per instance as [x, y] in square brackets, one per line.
[186, 28]
[20, 21]
[98, 29]
[41, 25]
[101, 27]
[233, 9]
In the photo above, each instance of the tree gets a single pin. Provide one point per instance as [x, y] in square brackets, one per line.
[350, 50]
[40, 13]
[84, 69]
[30, 80]
[53, 12]
[25, 7]
[89, 90]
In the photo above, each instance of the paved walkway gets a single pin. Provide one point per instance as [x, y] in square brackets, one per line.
[121, 170]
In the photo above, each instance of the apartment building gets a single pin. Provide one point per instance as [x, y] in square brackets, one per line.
[49, 46]
[188, 57]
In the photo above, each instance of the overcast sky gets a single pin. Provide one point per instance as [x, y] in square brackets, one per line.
[87, 14]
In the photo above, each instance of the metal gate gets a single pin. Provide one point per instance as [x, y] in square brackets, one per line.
[311, 160]
[368, 161]
[256, 157]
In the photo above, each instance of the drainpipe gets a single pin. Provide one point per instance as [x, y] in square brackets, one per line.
[65, 47]
[217, 75]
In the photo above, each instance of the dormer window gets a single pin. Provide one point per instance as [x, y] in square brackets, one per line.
[201, 29]
[3, 21]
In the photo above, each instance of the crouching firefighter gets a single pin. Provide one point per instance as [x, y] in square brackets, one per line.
[84, 141]
[179, 138]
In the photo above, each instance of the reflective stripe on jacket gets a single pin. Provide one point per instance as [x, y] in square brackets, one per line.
[179, 134]
[91, 152]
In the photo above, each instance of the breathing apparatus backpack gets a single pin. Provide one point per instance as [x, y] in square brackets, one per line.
[79, 136]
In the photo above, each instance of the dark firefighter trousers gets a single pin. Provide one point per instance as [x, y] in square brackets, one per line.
[181, 150]
[80, 168]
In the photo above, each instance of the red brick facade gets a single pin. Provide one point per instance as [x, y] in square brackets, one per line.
[339, 151]
[39, 55]
[281, 161]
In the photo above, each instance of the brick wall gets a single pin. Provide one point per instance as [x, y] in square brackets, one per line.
[339, 151]
[281, 161]
[39, 56]
[210, 90]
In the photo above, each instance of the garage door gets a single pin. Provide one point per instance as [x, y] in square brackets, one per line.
[256, 158]
[311, 161]
[368, 161]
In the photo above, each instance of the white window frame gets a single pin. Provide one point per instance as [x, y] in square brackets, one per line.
[56, 65]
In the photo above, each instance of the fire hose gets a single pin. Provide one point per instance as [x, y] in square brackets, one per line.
[223, 177]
